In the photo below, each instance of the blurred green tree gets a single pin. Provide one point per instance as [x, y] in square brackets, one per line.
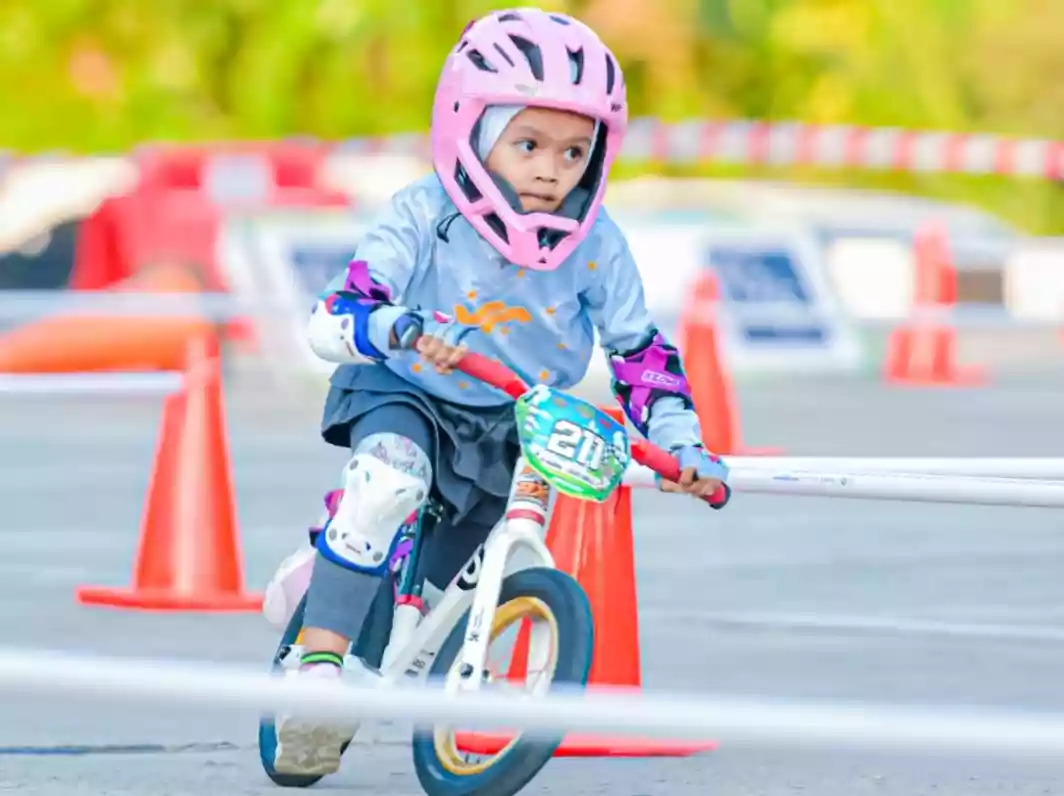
[104, 75]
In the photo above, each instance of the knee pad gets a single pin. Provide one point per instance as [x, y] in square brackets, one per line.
[387, 480]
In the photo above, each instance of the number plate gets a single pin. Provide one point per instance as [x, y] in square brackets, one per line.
[580, 450]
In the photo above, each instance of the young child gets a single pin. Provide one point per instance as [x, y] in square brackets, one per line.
[504, 251]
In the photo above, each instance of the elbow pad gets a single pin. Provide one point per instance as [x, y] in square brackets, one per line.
[341, 324]
[339, 330]
[642, 376]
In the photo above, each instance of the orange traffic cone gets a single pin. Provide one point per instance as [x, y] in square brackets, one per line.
[922, 350]
[82, 342]
[707, 373]
[593, 543]
[189, 556]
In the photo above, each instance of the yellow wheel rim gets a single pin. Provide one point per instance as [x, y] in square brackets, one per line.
[507, 614]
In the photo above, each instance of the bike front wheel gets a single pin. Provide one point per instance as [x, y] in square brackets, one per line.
[553, 610]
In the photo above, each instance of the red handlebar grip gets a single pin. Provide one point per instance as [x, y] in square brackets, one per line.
[662, 463]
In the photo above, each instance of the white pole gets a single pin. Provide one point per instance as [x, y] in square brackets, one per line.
[31, 305]
[911, 487]
[618, 712]
[151, 383]
[1042, 467]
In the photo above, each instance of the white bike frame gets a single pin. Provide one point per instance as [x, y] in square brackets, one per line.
[415, 639]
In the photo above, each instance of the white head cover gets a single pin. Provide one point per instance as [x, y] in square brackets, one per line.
[494, 121]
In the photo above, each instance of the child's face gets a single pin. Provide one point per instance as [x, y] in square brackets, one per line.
[542, 153]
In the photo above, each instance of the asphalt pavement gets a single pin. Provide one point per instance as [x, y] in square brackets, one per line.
[774, 597]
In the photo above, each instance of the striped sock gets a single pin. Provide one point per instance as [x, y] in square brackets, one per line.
[315, 658]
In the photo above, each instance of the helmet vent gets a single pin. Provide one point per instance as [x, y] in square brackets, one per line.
[576, 64]
[497, 226]
[532, 54]
[478, 60]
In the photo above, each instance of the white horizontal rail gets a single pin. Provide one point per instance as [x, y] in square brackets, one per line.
[90, 383]
[730, 720]
[30, 305]
[1047, 467]
[911, 487]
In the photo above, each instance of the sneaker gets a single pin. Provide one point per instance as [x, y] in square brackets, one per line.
[311, 747]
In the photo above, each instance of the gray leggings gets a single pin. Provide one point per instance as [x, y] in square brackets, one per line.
[339, 599]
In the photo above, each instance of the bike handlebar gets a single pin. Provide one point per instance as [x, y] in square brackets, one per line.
[494, 373]
[501, 377]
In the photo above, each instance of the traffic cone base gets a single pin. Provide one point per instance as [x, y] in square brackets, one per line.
[165, 600]
[925, 358]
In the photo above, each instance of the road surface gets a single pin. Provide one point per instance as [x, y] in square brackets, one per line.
[796, 597]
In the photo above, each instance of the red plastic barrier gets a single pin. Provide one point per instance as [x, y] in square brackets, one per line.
[127, 233]
[242, 174]
[175, 214]
[182, 198]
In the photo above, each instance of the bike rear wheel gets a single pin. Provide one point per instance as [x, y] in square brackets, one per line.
[538, 595]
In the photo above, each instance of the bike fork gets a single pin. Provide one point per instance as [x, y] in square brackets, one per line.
[524, 526]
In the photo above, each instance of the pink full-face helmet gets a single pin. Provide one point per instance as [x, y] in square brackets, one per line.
[526, 57]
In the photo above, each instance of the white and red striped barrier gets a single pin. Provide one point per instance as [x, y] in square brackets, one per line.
[754, 142]
[747, 142]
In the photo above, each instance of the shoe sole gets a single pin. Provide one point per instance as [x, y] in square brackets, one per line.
[309, 749]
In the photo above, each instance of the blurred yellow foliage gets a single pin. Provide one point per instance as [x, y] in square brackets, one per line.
[91, 75]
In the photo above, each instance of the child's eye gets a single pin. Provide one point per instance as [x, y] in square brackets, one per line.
[574, 154]
[525, 145]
